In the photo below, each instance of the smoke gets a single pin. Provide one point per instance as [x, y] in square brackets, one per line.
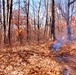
[66, 71]
[56, 46]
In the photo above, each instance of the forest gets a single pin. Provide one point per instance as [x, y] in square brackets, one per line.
[37, 37]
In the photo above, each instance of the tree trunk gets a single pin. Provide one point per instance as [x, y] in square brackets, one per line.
[28, 33]
[18, 21]
[3, 19]
[53, 20]
[38, 26]
[68, 25]
[46, 22]
[0, 10]
[34, 19]
[9, 19]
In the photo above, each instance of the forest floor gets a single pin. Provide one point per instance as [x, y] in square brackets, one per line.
[38, 60]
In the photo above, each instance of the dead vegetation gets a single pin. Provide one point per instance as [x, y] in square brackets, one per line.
[38, 60]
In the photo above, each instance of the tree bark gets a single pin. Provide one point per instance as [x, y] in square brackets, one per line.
[68, 25]
[34, 19]
[26, 3]
[28, 33]
[38, 25]
[53, 20]
[0, 10]
[9, 20]
[18, 21]
[3, 19]
[46, 22]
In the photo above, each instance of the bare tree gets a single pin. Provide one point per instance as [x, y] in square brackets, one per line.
[0, 10]
[3, 19]
[28, 33]
[34, 13]
[34, 18]
[68, 16]
[26, 5]
[53, 19]
[38, 25]
[19, 20]
[9, 16]
[46, 22]
[68, 24]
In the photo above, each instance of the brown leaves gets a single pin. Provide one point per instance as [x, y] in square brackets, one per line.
[35, 60]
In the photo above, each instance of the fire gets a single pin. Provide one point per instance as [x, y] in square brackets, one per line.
[20, 31]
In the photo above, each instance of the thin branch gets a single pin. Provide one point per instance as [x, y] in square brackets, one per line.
[71, 2]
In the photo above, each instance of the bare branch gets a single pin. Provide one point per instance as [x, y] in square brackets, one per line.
[71, 2]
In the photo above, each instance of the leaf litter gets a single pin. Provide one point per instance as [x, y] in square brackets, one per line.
[38, 60]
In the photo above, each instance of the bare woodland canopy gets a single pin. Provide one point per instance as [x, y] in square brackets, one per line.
[37, 20]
